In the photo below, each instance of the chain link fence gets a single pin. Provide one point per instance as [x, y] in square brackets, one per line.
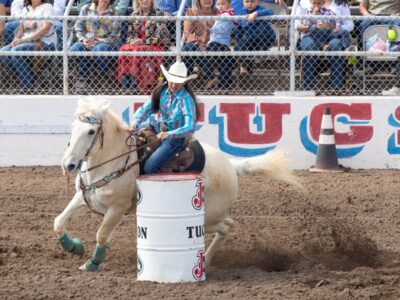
[261, 60]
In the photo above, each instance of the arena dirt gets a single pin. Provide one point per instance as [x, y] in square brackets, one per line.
[339, 239]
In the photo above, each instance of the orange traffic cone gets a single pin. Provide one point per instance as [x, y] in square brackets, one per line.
[327, 160]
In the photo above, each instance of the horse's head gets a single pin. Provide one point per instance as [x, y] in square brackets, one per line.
[86, 133]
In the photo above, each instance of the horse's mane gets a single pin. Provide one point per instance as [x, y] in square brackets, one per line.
[110, 119]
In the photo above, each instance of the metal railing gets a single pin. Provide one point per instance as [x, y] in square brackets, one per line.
[282, 67]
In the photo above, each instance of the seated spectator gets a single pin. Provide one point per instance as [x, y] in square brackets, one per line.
[320, 30]
[237, 5]
[252, 34]
[338, 40]
[197, 33]
[119, 6]
[17, 7]
[220, 40]
[142, 71]
[5, 6]
[96, 36]
[31, 35]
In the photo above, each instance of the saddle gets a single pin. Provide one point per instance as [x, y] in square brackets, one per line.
[190, 159]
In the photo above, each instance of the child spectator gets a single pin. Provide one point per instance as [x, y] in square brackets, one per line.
[321, 30]
[220, 39]
[252, 34]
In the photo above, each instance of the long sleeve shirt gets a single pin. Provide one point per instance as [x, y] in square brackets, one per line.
[261, 11]
[177, 112]
[237, 5]
[197, 32]
[104, 30]
[221, 31]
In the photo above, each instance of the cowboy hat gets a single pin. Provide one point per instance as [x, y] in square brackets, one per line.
[177, 73]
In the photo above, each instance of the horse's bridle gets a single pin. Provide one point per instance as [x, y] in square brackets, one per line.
[113, 175]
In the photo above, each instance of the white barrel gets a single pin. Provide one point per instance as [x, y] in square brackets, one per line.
[170, 228]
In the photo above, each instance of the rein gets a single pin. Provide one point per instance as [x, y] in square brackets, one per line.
[108, 178]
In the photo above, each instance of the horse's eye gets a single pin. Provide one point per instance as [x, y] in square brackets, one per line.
[91, 131]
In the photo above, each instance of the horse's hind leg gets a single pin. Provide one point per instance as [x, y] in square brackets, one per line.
[74, 208]
[110, 221]
[221, 229]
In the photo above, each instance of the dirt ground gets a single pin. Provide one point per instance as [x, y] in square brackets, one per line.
[340, 239]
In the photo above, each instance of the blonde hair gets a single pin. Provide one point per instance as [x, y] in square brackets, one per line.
[136, 5]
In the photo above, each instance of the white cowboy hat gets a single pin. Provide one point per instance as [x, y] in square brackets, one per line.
[177, 73]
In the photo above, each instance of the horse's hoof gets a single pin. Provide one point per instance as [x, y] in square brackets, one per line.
[89, 266]
[78, 247]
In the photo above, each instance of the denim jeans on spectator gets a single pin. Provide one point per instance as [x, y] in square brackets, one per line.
[167, 151]
[22, 64]
[367, 23]
[224, 65]
[83, 62]
[11, 27]
[192, 61]
[310, 63]
[258, 37]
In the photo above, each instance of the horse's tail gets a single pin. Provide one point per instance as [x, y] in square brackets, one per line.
[273, 164]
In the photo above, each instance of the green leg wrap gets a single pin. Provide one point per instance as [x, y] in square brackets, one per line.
[73, 245]
[98, 257]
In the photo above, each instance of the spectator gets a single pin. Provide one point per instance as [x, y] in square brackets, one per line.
[119, 6]
[31, 35]
[378, 8]
[4, 11]
[237, 5]
[95, 35]
[338, 41]
[252, 34]
[197, 33]
[220, 40]
[17, 7]
[150, 35]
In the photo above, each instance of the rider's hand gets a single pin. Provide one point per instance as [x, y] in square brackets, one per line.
[162, 135]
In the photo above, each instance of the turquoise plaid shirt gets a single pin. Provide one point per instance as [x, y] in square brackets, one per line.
[177, 113]
[104, 31]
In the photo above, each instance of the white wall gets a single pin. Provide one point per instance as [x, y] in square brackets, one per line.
[35, 130]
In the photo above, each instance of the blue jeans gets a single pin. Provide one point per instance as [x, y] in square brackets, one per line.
[83, 62]
[21, 64]
[310, 64]
[224, 65]
[12, 26]
[192, 61]
[258, 36]
[167, 151]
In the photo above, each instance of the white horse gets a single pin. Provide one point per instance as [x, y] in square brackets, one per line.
[99, 135]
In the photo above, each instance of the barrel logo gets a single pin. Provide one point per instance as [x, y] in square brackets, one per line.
[198, 199]
[199, 269]
[139, 196]
[139, 266]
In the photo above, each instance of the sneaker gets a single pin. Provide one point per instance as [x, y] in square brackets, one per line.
[394, 91]
[81, 87]
[128, 82]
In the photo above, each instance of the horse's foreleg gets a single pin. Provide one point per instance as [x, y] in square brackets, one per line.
[74, 208]
[110, 221]
[221, 229]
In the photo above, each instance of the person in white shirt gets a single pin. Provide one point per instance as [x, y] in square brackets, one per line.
[339, 41]
[17, 7]
[31, 35]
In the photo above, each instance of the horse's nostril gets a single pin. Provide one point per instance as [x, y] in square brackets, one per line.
[71, 167]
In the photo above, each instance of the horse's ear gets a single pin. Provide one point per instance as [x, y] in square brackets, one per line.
[104, 106]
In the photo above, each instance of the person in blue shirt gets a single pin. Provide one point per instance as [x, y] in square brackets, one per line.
[173, 112]
[252, 34]
[220, 40]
